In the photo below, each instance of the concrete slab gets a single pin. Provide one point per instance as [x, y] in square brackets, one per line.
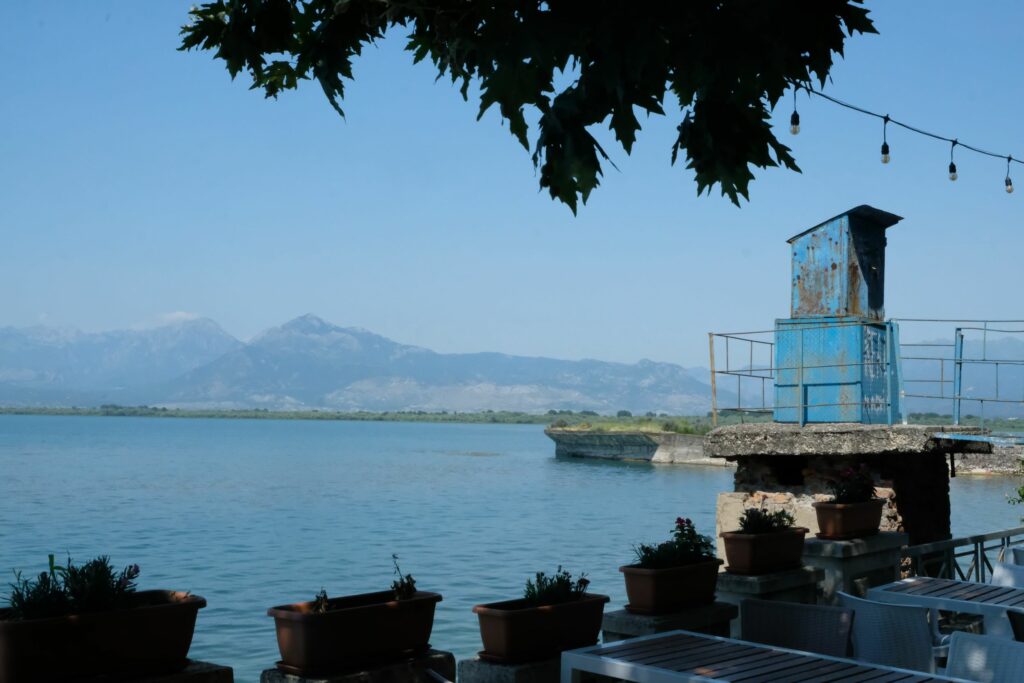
[195, 672]
[411, 670]
[838, 439]
[854, 566]
[796, 585]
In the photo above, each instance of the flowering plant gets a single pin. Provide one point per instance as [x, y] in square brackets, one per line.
[853, 485]
[685, 547]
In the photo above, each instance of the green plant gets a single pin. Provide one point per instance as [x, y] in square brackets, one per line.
[92, 587]
[555, 589]
[321, 602]
[760, 521]
[853, 485]
[685, 547]
[405, 586]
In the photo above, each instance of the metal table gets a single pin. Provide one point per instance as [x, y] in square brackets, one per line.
[992, 602]
[678, 656]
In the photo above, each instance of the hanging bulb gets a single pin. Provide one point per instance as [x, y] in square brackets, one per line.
[794, 123]
[1009, 185]
[952, 171]
[885, 152]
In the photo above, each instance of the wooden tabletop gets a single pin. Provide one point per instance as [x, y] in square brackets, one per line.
[683, 656]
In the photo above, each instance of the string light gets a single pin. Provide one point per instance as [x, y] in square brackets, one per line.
[886, 120]
[885, 142]
[794, 120]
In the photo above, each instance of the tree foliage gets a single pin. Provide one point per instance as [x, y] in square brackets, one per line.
[575, 65]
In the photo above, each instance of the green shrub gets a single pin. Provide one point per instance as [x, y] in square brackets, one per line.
[92, 587]
[760, 521]
[555, 589]
[686, 547]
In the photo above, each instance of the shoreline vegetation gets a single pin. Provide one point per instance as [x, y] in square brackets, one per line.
[582, 421]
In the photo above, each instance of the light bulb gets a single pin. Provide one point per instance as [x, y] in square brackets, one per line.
[794, 123]
[952, 171]
[1009, 185]
[885, 152]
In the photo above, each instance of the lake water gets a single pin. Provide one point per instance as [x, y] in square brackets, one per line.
[256, 513]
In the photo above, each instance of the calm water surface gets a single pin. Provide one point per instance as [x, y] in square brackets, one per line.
[256, 513]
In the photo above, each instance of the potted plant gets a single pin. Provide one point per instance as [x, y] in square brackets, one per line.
[765, 542]
[672, 575]
[853, 512]
[556, 613]
[329, 635]
[73, 622]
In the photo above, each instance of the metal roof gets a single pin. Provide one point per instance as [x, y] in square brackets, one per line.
[883, 219]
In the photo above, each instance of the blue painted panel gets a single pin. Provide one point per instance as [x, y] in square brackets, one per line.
[820, 263]
[839, 366]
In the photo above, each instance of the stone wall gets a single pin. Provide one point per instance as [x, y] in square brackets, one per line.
[916, 488]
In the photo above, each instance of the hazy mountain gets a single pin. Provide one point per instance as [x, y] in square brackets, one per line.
[43, 362]
[310, 363]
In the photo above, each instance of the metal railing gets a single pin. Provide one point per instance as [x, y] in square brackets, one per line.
[969, 558]
[970, 376]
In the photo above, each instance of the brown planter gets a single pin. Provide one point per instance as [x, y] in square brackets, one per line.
[763, 553]
[515, 631]
[150, 637]
[661, 591]
[355, 630]
[842, 521]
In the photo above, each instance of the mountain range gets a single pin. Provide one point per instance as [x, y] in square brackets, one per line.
[309, 363]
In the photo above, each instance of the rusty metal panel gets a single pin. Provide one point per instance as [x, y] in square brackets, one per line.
[838, 267]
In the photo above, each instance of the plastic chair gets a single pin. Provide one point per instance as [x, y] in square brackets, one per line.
[1009, 575]
[812, 628]
[1018, 555]
[905, 636]
[985, 659]
[1016, 618]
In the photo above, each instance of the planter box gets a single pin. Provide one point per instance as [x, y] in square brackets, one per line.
[662, 591]
[356, 629]
[843, 521]
[515, 631]
[151, 637]
[752, 554]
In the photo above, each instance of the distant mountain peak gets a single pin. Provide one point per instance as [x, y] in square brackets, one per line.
[309, 324]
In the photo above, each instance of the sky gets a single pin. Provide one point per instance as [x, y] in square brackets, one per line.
[139, 184]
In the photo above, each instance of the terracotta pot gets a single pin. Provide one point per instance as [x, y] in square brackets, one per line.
[150, 637]
[516, 631]
[355, 630]
[661, 591]
[763, 553]
[841, 521]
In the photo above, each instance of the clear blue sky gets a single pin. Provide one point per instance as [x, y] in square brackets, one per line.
[137, 181]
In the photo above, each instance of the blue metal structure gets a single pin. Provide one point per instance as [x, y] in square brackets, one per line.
[836, 358]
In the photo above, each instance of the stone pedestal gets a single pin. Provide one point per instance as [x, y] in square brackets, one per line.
[796, 585]
[476, 670]
[194, 672]
[412, 670]
[712, 619]
[856, 565]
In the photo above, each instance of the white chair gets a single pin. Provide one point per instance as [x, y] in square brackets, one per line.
[1018, 555]
[812, 628]
[985, 659]
[1008, 575]
[904, 636]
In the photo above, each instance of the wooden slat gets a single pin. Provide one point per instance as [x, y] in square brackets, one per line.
[707, 658]
[708, 651]
[768, 660]
[814, 669]
[899, 586]
[630, 646]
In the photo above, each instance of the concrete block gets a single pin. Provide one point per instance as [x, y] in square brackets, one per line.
[854, 566]
[712, 619]
[476, 670]
[410, 670]
[795, 585]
